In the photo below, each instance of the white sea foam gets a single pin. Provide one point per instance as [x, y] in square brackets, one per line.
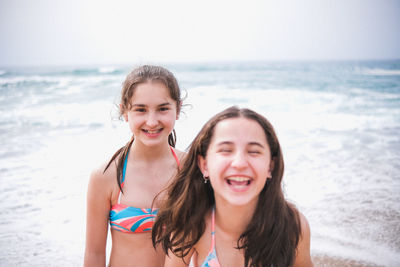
[339, 244]
[27, 79]
[61, 80]
[340, 148]
[73, 89]
[107, 69]
[380, 72]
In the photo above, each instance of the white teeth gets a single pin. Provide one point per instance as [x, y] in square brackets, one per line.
[239, 179]
[152, 132]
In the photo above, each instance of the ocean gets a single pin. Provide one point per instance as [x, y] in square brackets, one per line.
[338, 124]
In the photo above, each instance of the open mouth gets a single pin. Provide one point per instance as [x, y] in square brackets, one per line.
[152, 132]
[239, 181]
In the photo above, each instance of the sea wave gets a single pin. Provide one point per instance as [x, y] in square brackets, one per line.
[381, 72]
[107, 70]
[27, 79]
[338, 127]
[97, 71]
[61, 80]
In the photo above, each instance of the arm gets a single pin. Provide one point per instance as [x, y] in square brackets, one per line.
[303, 257]
[98, 208]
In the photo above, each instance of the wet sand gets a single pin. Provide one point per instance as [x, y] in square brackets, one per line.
[327, 261]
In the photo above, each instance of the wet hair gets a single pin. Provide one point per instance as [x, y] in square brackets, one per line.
[140, 75]
[271, 237]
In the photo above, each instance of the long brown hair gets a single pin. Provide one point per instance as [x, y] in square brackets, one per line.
[143, 74]
[272, 235]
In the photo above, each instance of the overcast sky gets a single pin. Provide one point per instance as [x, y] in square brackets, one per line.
[60, 32]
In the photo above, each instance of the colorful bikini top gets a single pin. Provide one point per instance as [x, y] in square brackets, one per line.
[128, 219]
[211, 259]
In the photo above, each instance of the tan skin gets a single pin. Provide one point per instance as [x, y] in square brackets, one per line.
[226, 240]
[238, 149]
[150, 167]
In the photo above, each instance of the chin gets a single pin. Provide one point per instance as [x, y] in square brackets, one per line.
[241, 202]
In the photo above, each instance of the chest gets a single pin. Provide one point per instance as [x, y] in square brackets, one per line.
[224, 248]
[142, 183]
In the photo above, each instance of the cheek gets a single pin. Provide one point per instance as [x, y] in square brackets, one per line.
[217, 165]
[262, 169]
[135, 122]
[169, 119]
[172, 121]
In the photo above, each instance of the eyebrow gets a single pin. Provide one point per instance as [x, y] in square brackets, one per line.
[224, 143]
[256, 144]
[143, 105]
[231, 143]
[165, 104]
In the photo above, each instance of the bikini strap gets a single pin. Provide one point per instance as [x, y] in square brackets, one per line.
[126, 163]
[123, 176]
[212, 229]
[175, 156]
[124, 169]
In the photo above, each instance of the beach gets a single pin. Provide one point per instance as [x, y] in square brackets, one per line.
[338, 124]
[326, 261]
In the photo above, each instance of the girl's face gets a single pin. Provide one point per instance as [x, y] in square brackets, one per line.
[153, 113]
[238, 161]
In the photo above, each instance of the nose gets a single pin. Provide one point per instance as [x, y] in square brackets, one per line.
[239, 160]
[152, 119]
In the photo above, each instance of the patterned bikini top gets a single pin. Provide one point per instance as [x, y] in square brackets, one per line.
[129, 219]
[212, 259]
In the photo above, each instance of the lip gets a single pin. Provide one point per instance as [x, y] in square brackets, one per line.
[239, 183]
[152, 133]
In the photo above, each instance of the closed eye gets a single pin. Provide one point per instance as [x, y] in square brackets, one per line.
[164, 108]
[224, 149]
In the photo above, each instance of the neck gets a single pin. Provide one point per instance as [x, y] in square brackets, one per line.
[142, 152]
[233, 220]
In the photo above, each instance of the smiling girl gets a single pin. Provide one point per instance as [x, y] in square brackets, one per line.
[226, 206]
[121, 191]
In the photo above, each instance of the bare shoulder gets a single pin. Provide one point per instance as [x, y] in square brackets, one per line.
[197, 253]
[305, 226]
[202, 247]
[103, 178]
[180, 154]
[303, 257]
